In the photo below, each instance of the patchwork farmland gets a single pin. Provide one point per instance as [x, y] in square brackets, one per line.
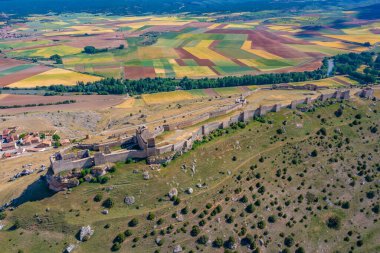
[174, 46]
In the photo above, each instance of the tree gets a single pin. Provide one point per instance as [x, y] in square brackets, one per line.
[89, 50]
[334, 222]
[121, 46]
[98, 197]
[150, 216]
[202, 239]
[108, 203]
[3, 215]
[195, 231]
[133, 223]
[218, 242]
[289, 241]
[250, 208]
[42, 136]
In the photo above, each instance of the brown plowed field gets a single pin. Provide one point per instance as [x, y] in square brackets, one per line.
[139, 72]
[15, 77]
[90, 102]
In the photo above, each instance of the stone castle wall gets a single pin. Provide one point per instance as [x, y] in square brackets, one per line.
[204, 130]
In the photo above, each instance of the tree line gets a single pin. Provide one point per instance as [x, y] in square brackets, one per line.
[344, 64]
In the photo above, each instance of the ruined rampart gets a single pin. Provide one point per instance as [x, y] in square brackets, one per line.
[146, 139]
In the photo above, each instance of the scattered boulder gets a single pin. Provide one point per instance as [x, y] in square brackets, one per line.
[177, 249]
[105, 211]
[146, 175]
[173, 192]
[129, 200]
[69, 248]
[85, 233]
[190, 190]
[158, 240]
[180, 218]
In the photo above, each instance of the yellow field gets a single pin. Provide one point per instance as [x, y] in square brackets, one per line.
[128, 103]
[205, 43]
[61, 50]
[213, 26]
[205, 53]
[238, 26]
[156, 53]
[286, 28]
[250, 62]
[167, 97]
[259, 52]
[53, 77]
[192, 71]
[358, 38]
[82, 29]
[340, 45]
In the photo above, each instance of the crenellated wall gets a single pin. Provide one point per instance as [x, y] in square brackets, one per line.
[146, 139]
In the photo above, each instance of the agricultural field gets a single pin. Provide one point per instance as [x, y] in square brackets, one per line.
[186, 45]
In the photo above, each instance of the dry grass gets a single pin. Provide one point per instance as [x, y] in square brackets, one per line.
[167, 97]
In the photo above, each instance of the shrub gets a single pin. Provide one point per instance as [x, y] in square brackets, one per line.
[98, 197]
[250, 208]
[3, 215]
[150, 216]
[195, 231]
[346, 205]
[261, 224]
[272, 219]
[133, 223]
[108, 203]
[218, 242]
[16, 225]
[127, 233]
[119, 238]
[333, 222]
[116, 246]
[300, 250]
[202, 239]
[289, 241]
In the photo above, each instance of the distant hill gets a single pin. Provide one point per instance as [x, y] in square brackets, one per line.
[135, 7]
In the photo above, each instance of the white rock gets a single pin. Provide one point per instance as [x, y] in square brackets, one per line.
[129, 200]
[173, 192]
[190, 190]
[85, 233]
[177, 249]
[70, 248]
[146, 175]
[105, 212]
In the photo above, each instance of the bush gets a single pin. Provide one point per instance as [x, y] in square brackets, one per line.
[289, 241]
[119, 238]
[16, 225]
[300, 250]
[218, 242]
[116, 246]
[261, 224]
[98, 197]
[133, 223]
[195, 231]
[250, 208]
[127, 233]
[272, 219]
[202, 239]
[108, 203]
[346, 205]
[3, 215]
[150, 216]
[334, 222]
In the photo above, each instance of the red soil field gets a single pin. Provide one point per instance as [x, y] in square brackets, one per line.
[211, 93]
[139, 72]
[268, 41]
[83, 102]
[6, 63]
[183, 54]
[9, 79]
[180, 62]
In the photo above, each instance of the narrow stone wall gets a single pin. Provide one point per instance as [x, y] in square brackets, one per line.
[204, 130]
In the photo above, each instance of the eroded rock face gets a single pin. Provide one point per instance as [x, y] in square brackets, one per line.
[129, 200]
[85, 233]
[173, 192]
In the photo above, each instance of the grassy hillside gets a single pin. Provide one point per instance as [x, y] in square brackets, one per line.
[271, 186]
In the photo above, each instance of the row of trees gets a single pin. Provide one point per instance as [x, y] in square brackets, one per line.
[152, 85]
